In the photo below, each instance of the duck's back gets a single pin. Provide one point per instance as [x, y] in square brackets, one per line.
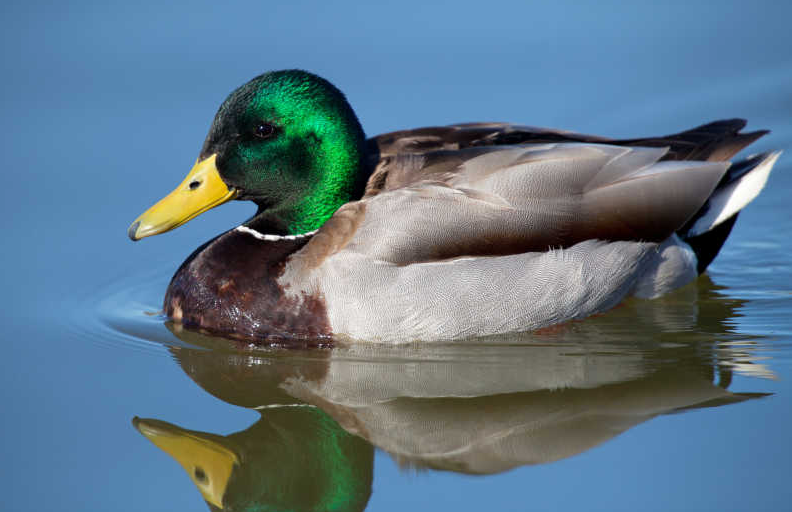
[716, 142]
[468, 235]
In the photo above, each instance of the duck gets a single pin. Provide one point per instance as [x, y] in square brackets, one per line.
[441, 233]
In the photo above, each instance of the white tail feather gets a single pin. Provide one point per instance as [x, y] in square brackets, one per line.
[732, 198]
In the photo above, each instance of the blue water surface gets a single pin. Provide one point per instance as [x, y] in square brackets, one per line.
[105, 107]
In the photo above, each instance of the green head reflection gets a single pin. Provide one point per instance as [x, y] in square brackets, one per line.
[295, 458]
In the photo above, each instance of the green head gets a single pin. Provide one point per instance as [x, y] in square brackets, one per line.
[287, 140]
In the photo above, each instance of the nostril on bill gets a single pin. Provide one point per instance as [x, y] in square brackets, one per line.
[194, 184]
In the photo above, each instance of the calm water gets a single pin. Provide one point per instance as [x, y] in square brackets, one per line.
[683, 403]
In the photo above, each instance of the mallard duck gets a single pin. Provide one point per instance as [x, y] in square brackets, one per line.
[438, 233]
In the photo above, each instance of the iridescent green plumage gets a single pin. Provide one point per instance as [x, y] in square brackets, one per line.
[308, 167]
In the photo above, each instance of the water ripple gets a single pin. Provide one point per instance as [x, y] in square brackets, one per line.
[126, 313]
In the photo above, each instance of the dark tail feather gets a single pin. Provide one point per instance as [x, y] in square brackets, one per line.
[715, 142]
[708, 245]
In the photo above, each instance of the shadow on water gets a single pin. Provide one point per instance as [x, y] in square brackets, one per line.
[479, 407]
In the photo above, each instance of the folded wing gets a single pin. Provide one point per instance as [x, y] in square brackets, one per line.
[484, 201]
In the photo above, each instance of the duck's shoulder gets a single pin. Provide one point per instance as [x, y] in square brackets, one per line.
[393, 155]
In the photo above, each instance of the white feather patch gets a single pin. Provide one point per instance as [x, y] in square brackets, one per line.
[734, 197]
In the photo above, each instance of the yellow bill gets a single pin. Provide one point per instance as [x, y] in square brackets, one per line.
[208, 463]
[201, 190]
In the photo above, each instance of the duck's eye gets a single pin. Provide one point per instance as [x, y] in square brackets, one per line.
[264, 130]
[199, 474]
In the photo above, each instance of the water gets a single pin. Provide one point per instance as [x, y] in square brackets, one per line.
[683, 403]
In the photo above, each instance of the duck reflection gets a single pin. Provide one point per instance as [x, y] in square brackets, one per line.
[479, 408]
[293, 458]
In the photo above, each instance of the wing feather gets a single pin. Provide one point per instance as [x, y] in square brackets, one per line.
[515, 199]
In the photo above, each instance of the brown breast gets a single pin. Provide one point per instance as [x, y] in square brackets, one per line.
[229, 287]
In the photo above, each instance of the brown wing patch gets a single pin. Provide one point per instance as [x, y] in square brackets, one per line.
[395, 156]
[333, 236]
